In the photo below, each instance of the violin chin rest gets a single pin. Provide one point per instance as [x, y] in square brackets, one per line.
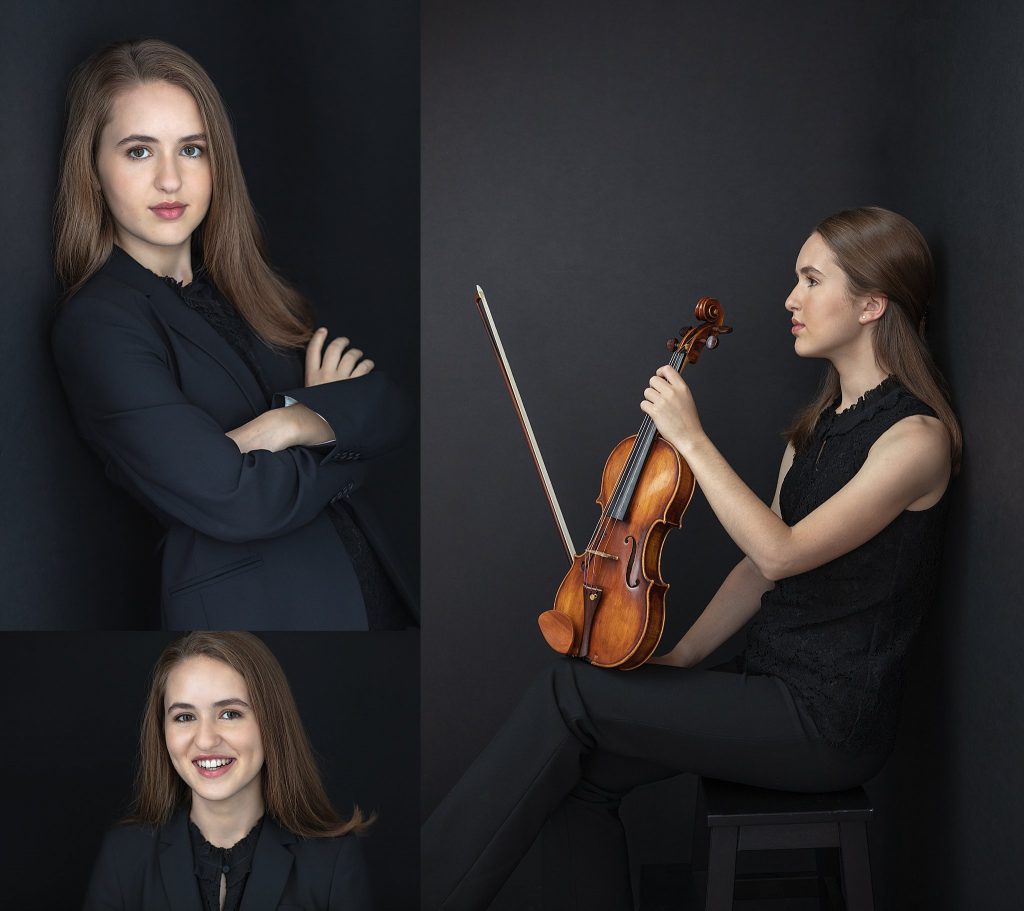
[557, 630]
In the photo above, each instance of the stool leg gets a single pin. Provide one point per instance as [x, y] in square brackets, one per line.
[722, 867]
[853, 840]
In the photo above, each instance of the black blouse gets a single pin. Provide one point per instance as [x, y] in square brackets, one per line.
[384, 607]
[234, 864]
[837, 634]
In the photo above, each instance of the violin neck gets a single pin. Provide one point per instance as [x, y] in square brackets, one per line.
[618, 505]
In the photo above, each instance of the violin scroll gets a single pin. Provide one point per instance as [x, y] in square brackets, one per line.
[710, 311]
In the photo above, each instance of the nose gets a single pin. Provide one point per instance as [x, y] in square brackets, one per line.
[168, 177]
[207, 736]
[791, 300]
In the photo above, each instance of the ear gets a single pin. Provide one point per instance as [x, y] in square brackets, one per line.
[873, 306]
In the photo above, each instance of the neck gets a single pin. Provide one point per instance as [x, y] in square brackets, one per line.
[173, 261]
[858, 372]
[226, 822]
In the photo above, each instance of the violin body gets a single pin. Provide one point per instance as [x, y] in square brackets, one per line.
[610, 607]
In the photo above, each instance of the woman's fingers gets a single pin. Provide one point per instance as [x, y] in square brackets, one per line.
[348, 362]
[333, 354]
[314, 353]
[335, 362]
[362, 368]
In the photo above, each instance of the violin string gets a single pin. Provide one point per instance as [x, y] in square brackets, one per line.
[639, 450]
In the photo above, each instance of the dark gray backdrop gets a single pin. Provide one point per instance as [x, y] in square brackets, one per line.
[72, 703]
[324, 99]
[597, 167]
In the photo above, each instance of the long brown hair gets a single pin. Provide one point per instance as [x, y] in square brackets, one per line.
[880, 251]
[229, 241]
[292, 791]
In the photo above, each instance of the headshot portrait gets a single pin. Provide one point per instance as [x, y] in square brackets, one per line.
[225, 770]
[233, 328]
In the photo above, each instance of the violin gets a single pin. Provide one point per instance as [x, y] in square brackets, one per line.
[610, 608]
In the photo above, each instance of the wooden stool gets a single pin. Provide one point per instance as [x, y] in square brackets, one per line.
[744, 818]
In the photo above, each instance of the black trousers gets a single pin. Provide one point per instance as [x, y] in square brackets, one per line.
[578, 741]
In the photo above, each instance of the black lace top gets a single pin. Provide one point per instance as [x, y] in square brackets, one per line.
[212, 863]
[837, 635]
[384, 608]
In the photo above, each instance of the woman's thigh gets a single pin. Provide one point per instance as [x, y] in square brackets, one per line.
[657, 721]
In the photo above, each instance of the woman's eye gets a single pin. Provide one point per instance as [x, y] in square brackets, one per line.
[192, 151]
[811, 282]
[231, 714]
[184, 716]
[138, 153]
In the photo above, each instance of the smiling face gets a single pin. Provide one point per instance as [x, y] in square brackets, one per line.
[154, 171]
[827, 320]
[211, 732]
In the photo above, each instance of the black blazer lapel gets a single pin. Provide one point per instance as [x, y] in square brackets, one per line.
[189, 325]
[177, 867]
[271, 867]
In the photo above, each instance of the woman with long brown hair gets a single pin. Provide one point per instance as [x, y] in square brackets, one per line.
[228, 799]
[836, 576]
[197, 373]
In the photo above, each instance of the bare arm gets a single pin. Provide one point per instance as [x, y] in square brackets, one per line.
[736, 601]
[907, 467]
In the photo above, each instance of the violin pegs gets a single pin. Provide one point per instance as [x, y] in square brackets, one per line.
[672, 344]
[711, 343]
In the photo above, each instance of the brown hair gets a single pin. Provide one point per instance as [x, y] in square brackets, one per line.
[880, 251]
[229, 241]
[292, 791]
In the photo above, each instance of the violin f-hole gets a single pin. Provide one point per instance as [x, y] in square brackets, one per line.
[632, 562]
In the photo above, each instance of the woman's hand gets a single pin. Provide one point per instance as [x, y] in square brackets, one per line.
[670, 404]
[280, 428]
[678, 657]
[335, 362]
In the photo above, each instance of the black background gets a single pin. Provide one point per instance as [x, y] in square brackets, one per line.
[72, 705]
[324, 100]
[597, 167]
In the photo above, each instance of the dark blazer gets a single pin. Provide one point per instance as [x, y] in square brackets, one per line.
[141, 868]
[249, 543]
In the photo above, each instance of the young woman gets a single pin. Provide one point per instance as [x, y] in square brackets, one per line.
[229, 805]
[838, 571]
[180, 351]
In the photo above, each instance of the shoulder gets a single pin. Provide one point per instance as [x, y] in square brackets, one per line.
[914, 452]
[918, 436]
[124, 855]
[110, 316]
[331, 852]
[129, 839]
[100, 297]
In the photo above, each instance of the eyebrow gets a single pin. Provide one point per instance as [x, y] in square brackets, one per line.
[807, 270]
[220, 704]
[138, 137]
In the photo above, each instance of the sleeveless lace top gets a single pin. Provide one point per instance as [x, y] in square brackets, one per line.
[837, 635]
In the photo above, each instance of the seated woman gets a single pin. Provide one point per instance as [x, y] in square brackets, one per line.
[838, 572]
[180, 349]
[228, 800]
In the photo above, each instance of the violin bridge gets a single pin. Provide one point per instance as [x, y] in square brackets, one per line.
[601, 553]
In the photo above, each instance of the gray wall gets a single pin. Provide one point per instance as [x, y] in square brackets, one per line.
[597, 168]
